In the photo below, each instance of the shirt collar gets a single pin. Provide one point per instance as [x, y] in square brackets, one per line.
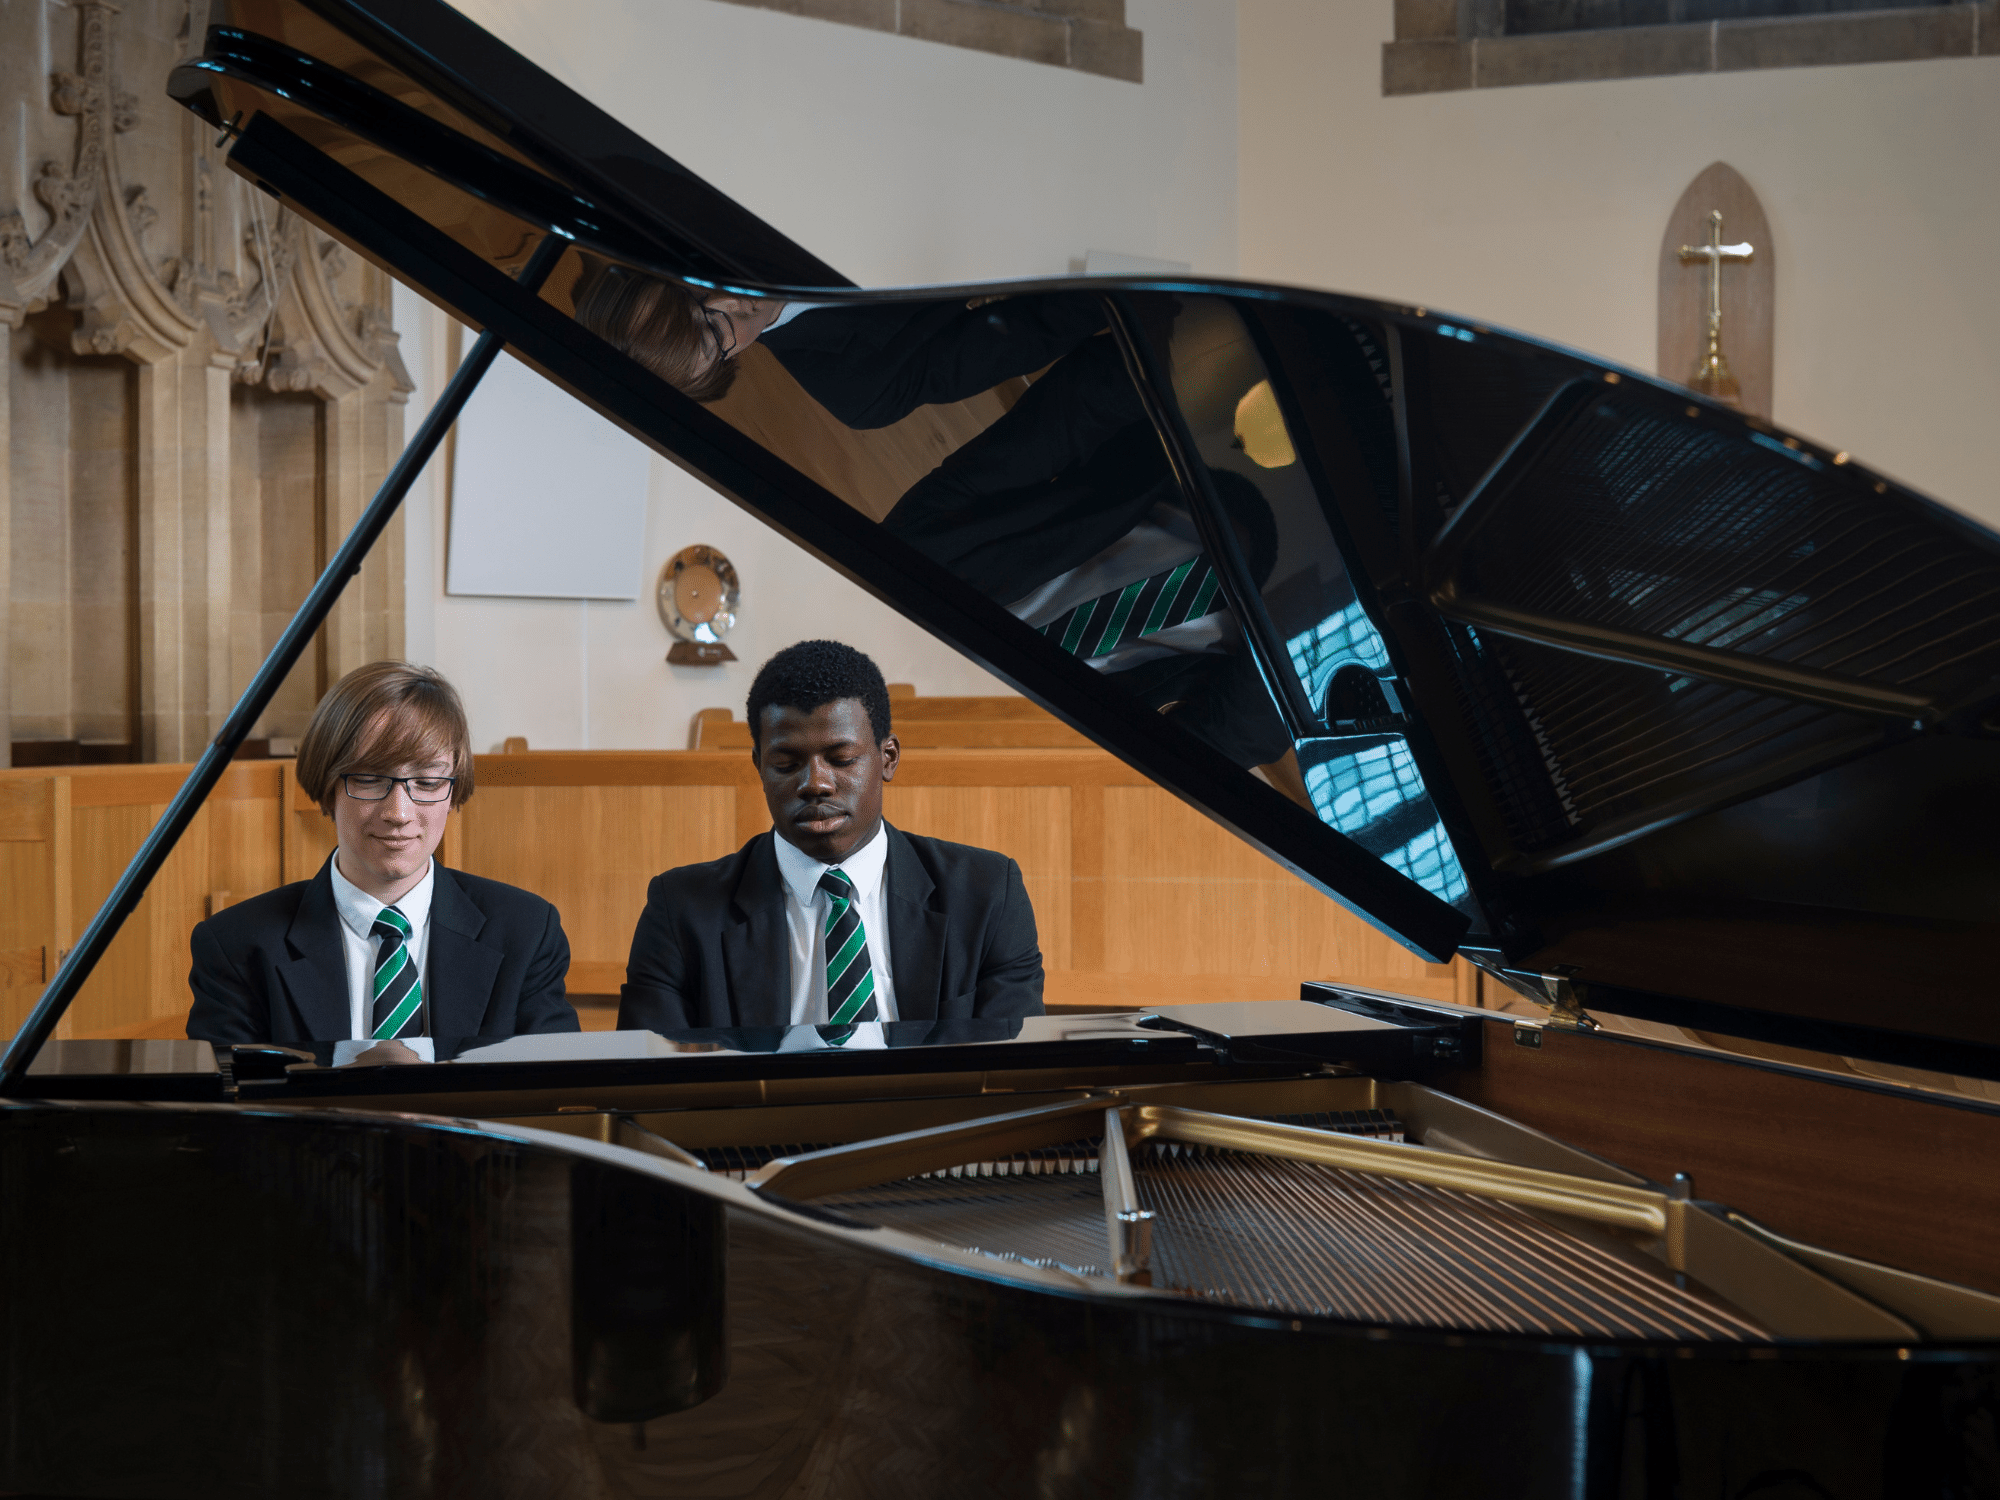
[792, 310]
[358, 910]
[865, 867]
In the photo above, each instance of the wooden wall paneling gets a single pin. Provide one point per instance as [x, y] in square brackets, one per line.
[97, 819]
[27, 883]
[592, 850]
[125, 786]
[1183, 897]
[992, 722]
[106, 837]
[1031, 825]
[1465, 983]
[27, 911]
[144, 974]
[713, 731]
[62, 884]
[1044, 733]
[614, 768]
[1054, 767]
[996, 706]
[752, 816]
[24, 811]
[906, 707]
[24, 969]
[1086, 864]
[246, 854]
[309, 835]
[288, 787]
[173, 905]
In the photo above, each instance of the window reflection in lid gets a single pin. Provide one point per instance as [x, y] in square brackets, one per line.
[1369, 789]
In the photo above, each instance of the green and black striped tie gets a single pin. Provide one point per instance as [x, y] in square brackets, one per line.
[850, 978]
[399, 994]
[1099, 626]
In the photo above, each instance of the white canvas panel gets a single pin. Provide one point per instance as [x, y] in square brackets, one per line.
[548, 499]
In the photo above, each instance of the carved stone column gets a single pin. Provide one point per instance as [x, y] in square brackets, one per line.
[7, 326]
[265, 405]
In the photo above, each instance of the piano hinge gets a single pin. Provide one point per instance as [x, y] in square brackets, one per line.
[1554, 988]
[1566, 1012]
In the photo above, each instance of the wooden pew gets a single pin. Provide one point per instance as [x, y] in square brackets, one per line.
[996, 723]
[64, 840]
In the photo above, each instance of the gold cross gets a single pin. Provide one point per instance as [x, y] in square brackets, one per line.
[1712, 376]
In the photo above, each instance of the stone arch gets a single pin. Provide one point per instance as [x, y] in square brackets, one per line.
[230, 311]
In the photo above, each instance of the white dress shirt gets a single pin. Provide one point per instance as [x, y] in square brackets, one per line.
[806, 906]
[358, 911]
[792, 310]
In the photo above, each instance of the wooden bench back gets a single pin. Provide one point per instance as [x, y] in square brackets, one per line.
[996, 723]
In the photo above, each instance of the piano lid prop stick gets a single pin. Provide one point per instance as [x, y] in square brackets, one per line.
[326, 591]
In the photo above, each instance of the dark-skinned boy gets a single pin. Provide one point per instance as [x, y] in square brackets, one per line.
[835, 917]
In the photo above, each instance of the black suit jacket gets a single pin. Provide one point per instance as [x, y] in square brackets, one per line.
[273, 969]
[871, 364]
[711, 948]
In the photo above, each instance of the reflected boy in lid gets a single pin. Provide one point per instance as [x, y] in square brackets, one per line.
[384, 945]
[870, 364]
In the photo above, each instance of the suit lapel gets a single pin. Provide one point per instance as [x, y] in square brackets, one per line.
[459, 970]
[916, 933]
[315, 977]
[756, 945]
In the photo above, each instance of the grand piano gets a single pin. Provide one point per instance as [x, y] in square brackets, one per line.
[1681, 727]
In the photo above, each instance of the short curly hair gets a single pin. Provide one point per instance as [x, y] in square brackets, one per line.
[812, 674]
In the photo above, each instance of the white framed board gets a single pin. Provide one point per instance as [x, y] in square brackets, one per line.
[548, 500]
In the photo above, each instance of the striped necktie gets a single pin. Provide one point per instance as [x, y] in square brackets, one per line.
[850, 978]
[1099, 626]
[399, 994]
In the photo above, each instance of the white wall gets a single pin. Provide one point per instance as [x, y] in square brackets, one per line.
[1542, 209]
[896, 161]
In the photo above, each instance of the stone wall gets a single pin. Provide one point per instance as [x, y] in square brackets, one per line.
[1444, 45]
[1088, 35]
[199, 394]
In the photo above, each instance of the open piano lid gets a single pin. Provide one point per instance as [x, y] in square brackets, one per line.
[1612, 688]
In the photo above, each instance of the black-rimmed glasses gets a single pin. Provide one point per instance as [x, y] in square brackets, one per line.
[718, 323]
[364, 786]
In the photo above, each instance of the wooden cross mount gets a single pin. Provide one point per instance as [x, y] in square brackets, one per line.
[1712, 376]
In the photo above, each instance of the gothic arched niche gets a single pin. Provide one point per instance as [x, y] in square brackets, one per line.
[199, 394]
[1748, 286]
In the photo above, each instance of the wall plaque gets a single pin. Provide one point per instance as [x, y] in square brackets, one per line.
[1704, 271]
[698, 596]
